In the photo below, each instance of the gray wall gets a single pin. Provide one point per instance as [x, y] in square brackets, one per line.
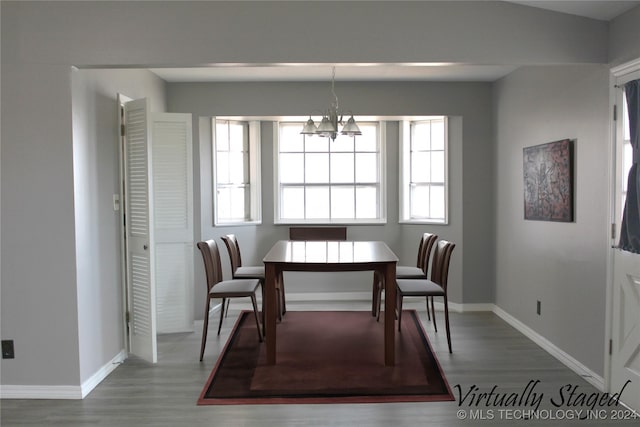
[42, 302]
[469, 103]
[96, 179]
[563, 265]
[624, 37]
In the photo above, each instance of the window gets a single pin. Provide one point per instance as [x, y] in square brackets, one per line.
[627, 152]
[324, 181]
[236, 178]
[423, 170]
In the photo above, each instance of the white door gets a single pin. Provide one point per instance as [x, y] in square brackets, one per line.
[140, 244]
[173, 220]
[625, 307]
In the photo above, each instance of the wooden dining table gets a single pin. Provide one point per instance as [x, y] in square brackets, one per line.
[287, 255]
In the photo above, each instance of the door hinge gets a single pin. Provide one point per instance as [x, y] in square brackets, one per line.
[127, 317]
[613, 231]
[615, 113]
[610, 347]
[122, 131]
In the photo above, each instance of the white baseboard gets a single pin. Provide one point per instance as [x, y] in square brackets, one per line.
[80, 392]
[62, 391]
[328, 296]
[569, 361]
[40, 392]
[102, 373]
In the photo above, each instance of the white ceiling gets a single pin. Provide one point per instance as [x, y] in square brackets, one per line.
[601, 10]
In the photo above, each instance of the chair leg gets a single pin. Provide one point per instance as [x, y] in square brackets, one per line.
[374, 295]
[263, 307]
[284, 302]
[279, 303]
[224, 300]
[428, 313]
[433, 314]
[205, 327]
[255, 313]
[399, 310]
[379, 286]
[446, 321]
[226, 312]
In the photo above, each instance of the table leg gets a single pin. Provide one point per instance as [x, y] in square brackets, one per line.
[390, 314]
[271, 308]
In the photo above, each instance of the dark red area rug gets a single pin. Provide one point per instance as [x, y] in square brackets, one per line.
[326, 357]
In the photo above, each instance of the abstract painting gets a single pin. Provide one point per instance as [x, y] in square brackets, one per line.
[548, 181]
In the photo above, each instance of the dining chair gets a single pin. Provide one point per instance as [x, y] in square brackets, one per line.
[238, 271]
[224, 289]
[405, 271]
[429, 288]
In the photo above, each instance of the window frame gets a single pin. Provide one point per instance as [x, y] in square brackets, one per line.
[381, 183]
[253, 212]
[404, 171]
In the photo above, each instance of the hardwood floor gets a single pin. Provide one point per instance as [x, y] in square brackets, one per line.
[487, 353]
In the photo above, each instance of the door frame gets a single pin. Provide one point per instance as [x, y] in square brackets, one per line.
[123, 99]
[615, 74]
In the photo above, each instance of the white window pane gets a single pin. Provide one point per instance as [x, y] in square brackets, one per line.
[342, 202]
[342, 143]
[237, 203]
[366, 202]
[222, 136]
[437, 135]
[366, 167]
[224, 204]
[292, 202]
[316, 168]
[419, 201]
[437, 166]
[437, 202]
[317, 202]
[237, 169]
[368, 141]
[314, 144]
[291, 168]
[222, 167]
[321, 170]
[290, 138]
[627, 161]
[236, 137]
[625, 118]
[420, 169]
[421, 136]
[342, 167]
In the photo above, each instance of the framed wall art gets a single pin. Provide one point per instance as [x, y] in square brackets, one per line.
[548, 181]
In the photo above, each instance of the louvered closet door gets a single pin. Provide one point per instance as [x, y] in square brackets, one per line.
[141, 298]
[173, 214]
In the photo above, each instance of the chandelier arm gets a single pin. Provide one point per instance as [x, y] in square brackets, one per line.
[333, 88]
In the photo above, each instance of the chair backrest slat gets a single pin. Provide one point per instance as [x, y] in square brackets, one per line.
[212, 264]
[318, 233]
[425, 249]
[233, 248]
[440, 263]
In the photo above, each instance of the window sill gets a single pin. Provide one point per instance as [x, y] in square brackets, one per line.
[237, 224]
[423, 221]
[328, 223]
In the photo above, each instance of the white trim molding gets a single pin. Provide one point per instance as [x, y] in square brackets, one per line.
[62, 391]
[569, 361]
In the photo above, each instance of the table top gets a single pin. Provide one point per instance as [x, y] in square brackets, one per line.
[330, 252]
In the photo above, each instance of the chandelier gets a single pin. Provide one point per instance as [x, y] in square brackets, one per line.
[328, 127]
